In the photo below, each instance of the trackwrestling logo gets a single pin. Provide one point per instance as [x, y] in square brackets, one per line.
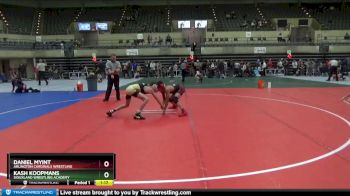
[33, 192]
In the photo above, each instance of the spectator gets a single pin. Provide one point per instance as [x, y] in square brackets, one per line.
[259, 71]
[183, 70]
[244, 24]
[197, 65]
[205, 68]
[244, 70]
[211, 71]
[3, 77]
[160, 40]
[233, 14]
[280, 64]
[175, 68]
[347, 63]
[13, 76]
[133, 69]
[100, 68]
[22, 70]
[199, 76]
[86, 70]
[147, 67]
[270, 64]
[295, 66]
[194, 45]
[149, 39]
[225, 68]
[170, 71]
[302, 68]
[236, 68]
[138, 72]
[221, 68]
[258, 62]
[182, 25]
[263, 67]
[307, 38]
[155, 41]
[253, 24]
[333, 69]
[152, 68]
[168, 39]
[164, 70]
[125, 69]
[347, 36]
[159, 69]
[280, 38]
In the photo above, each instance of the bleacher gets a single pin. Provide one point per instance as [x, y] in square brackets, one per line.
[16, 45]
[75, 65]
[155, 18]
[20, 19]
[147, 19]
[334, 20]
[191, 12]
[26, 45]
[100, 14]
[240, 20]
[282, 11]
[57, 21]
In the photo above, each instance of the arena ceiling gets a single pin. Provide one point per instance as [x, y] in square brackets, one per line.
[107, 3]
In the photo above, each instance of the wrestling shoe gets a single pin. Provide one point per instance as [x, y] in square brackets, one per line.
[138, 116]
[109, 113]
[183, 113]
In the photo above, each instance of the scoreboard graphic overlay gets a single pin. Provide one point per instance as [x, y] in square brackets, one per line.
[61, 169]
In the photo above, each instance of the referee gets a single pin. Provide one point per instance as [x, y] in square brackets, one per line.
[112, 70]
[41, 66]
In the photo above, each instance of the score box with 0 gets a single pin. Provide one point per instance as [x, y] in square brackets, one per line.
[61, 166]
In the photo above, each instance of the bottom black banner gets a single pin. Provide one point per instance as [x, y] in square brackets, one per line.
[111, 192]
